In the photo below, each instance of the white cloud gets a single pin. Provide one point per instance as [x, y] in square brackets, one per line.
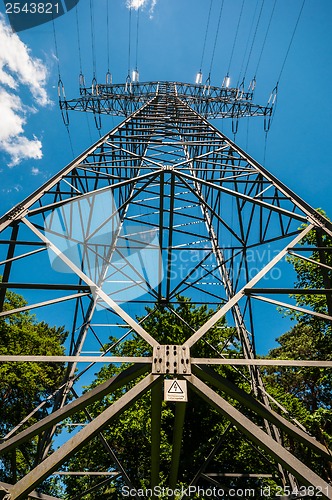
[137, 4]
[35, 171]
[18, 68]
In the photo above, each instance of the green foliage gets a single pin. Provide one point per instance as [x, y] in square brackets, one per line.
[313, 386]
[307, 392]
[25, 385]
[310, 275]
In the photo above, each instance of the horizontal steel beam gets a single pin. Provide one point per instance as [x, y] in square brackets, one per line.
[132, 359]
[236, 474]
[87, 473]
[301, 363]
[293, 307]
[289, 291]
[46, 286]
[74, 359]
[43, 304]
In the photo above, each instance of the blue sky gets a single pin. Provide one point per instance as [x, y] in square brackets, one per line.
[170, 47]
[171, 36]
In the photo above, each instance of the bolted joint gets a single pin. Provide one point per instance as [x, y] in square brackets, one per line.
[171, 359]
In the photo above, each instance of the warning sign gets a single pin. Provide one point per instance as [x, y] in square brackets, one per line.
[175, 390]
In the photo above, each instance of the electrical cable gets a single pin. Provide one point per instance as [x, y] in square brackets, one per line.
[70, 141]
[265, 38]
[254, 38]
[235, 38]
[274, 94]
[129, 41]
[93, 40]
[78, 41]
[56, 50]
[61, 89]
[265, 147]
[108, 38]
[137, 32]
[205, 37]
[291, 41]
[216, 38]
[248, 38]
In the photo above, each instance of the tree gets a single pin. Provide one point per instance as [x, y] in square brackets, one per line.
[309, 339]
[25, 385]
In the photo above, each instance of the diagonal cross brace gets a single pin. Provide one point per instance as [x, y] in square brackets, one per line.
[21, 490]
[80, 403]
[305, 475]
[203, 372]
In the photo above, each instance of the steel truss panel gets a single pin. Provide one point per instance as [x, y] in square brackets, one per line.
[163, 207]
[125, 98]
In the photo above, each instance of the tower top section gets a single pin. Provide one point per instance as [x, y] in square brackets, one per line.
[122, 99]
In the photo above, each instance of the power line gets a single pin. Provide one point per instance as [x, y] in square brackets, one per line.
[235, 38]
[216, 38]
[129, 41]
[265, 38]
[108, 38]
[249, 36]
[137, 32]
[78, 40]
[254, 38]
[61, 90]
[291, 41]
[93, 40]
[56, 49]
[206, 32]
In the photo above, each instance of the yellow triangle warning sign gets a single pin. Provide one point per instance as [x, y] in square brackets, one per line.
[175, 390]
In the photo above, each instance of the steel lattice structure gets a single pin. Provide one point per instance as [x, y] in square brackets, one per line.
[168, 188]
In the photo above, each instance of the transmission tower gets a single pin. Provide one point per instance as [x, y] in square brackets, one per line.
[163, 207]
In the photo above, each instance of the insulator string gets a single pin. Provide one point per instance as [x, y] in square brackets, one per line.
[205, 37]
[235, 38]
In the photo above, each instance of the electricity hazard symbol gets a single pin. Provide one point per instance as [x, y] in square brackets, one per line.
[175, 390]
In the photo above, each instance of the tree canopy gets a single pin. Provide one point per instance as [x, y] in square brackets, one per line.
[25, 385]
